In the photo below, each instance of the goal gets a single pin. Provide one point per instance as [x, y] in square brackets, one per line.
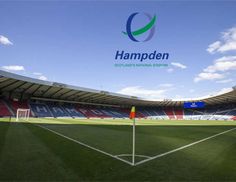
[22, 114]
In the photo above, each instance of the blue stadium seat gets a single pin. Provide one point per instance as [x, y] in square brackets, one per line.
[40, 110]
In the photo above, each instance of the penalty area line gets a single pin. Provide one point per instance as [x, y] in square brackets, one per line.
[85, 145]
[183, 147]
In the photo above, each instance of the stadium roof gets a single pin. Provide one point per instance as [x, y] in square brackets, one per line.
[45, 90]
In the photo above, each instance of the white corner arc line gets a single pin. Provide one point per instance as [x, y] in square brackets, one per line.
[85, 145]
[127, 155]
[183, 147]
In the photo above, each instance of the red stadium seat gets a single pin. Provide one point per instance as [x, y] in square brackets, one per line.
[170, 113]
[17, 104]
[179, 114]
[4, 111]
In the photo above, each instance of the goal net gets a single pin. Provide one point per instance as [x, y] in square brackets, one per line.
[22, 114]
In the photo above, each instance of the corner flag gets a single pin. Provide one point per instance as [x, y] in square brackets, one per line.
[132, 113]
[132, 116]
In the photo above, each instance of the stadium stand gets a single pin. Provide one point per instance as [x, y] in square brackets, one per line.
[16, 105]
[72, 111]
[178, 113]
[99, 113]
[139, 113]
[52, 99]
[169, 112]
[57, 111]
[40, 110]
[86, 112]
[52, 109]
[4, 110]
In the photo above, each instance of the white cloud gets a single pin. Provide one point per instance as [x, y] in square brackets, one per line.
[208, 76]
[21, 68]
[227, 43]
[222, 64]
[13, 68]
[166, 85]
[5, 40]
[170, 70]
[37, 73]
[225, 81]
[218, 69]
[222, 91]
[42, 77]
[214, 46]
[178, 65]
[144, 93]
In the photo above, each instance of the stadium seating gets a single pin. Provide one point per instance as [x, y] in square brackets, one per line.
[49, 109]
[19, 104]
[40, 110]
[160, 114]
[138, 113]
[110, 112]
[4, 110]
[178, 113]
[72, 111]
[169, 112]
[87, 112]
[93, 112]
[58, 111]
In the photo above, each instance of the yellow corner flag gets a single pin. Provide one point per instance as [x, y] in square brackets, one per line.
[132, 113]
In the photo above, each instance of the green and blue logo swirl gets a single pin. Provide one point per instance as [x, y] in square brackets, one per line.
[148, 27]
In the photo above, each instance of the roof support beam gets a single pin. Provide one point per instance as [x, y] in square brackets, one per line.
[5, 86]
[53, 94]
[44, 93]
[63, 94]
[36, 89]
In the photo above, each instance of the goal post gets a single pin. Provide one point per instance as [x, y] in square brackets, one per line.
[22, 114]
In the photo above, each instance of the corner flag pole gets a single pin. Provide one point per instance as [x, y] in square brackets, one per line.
[132, 116]
[133, 156]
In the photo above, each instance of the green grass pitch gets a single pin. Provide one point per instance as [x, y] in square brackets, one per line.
[33, 151]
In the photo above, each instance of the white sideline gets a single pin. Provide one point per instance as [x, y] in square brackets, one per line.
[85, 145]
[183, 147]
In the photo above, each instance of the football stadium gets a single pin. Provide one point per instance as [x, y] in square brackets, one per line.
[117, 90]
[47, 128]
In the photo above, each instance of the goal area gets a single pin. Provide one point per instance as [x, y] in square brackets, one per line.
[22, 114]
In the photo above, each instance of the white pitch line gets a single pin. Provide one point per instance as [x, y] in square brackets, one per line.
[183, 147]
[85, 145]
[127, 155]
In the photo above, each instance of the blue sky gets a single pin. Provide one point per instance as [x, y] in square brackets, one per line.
[75, 43]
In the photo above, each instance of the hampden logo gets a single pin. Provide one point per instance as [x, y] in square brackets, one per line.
[145, 58]
[148, 27]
